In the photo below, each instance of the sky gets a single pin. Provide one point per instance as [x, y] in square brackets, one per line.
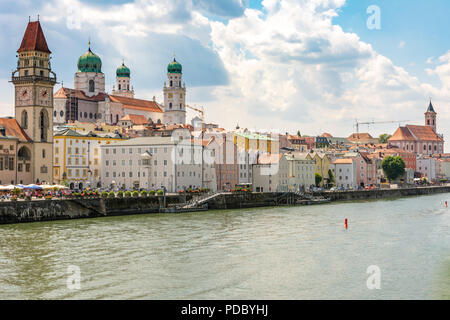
[309, 65]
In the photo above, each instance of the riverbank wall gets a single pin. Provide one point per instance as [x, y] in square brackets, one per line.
[47, 210]
[383, 193]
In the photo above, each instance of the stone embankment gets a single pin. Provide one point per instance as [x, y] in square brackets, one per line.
[46, 210]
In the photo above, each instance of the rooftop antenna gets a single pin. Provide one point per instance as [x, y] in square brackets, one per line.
[29, 18]
[38, 17]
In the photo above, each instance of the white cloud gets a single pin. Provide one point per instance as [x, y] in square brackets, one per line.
[401, 45]
[288, 66]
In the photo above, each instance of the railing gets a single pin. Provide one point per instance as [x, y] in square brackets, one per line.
[33, 78]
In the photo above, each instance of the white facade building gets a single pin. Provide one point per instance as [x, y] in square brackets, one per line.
[345, 173]
[427, 167]
[156, 162]
[282, 173]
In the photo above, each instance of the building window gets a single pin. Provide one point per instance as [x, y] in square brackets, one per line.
[24, 119]
[91, 86]
[43, 124]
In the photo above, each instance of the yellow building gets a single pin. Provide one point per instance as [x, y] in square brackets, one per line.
[323, 162]
[255, 142]
[77, 157]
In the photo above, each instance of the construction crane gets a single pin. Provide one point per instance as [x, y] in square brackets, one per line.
[376, 122]
[199, 110]
[202, 112]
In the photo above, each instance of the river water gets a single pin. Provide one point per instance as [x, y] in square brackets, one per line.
[266, 253]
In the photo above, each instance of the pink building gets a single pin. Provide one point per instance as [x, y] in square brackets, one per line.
[421, 140]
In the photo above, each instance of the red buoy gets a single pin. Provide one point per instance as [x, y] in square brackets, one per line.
[446, 204]
[346, 223]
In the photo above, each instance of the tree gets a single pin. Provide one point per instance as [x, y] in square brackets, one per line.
[383, 138]
[318, 178]
[330, 177]
[393, 167]
[298, 133]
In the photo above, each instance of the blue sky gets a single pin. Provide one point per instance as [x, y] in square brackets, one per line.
[419, 24]
[311, 65]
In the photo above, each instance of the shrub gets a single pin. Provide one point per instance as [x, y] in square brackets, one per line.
[143, 193]
[128, 194]
[151, 192]
[14, 198]
[120, 194]
[105, 194]
[111, 194]
[135, 194]
[159, 192]
[28, 197]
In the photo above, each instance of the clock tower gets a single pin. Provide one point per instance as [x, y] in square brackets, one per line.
[33, 81]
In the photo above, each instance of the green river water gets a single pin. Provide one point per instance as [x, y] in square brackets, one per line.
[266, 253]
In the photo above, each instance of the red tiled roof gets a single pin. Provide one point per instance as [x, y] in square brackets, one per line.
[343, 161]
[138, 104]
[67, 92]
[326, 135]
[269, 158]
[13, 129]
[415, 133]
[424, 133]
[34, 39]
[135, 118]
[360, 136]
[403, 134]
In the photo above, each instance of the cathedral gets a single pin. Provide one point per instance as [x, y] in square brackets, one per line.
[89, 102]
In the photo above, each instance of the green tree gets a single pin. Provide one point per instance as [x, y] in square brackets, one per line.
[383, 138]
[393, 167]
[330, 177]
[318, 178]
[298, 133]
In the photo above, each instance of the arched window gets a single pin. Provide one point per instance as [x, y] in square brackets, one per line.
[90, 115]
[24, 119]
[91, 86]
[24, 154]
[170, 82]
[119, 86]
[43, 125]
[170, 105]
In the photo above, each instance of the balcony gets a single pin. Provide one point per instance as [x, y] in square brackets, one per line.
[33, 78]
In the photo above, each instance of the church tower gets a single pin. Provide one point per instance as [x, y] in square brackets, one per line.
[174, 95]
[430, 117]
[122, 87]
[90, 78]
[33, 81]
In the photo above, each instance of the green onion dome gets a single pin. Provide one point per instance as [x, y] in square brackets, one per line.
[174, 67]
[89, 62]
[123, 71]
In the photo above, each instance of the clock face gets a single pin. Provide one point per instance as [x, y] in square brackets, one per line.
[44, 96]
[23, 96]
